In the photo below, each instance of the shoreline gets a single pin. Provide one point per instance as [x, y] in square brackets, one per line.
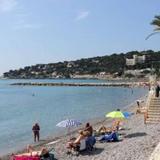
[95, 123]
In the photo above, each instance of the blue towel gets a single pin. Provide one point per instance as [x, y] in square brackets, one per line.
[113, 137]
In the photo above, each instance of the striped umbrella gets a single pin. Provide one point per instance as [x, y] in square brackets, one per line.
[69, 123]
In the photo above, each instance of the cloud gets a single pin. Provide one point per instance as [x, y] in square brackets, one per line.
[27, 26]
[22, 19]
[8, 5]
[82, 15]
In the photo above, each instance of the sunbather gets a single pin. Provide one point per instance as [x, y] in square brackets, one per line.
[73, 144]
[103, 130]
[116, 124]
[31, 152]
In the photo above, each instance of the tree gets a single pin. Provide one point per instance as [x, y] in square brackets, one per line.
[156, 23]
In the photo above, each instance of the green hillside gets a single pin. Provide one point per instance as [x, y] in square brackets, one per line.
[110, 64]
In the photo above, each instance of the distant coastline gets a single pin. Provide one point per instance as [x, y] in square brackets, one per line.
[115, 66]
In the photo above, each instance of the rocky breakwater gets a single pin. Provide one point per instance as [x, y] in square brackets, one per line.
[115, 84]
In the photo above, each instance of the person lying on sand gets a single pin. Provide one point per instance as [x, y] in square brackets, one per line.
[115, 126]
[31, 152]
[103, 130]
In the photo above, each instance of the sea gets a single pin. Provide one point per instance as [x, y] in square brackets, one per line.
[22, 106]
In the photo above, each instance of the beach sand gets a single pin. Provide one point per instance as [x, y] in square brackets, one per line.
[138, 142]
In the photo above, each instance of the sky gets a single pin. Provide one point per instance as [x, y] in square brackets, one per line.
[47, 31]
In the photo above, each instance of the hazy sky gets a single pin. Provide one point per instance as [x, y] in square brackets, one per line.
[44, 31]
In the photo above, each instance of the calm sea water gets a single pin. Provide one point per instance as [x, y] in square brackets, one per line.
[21, 106]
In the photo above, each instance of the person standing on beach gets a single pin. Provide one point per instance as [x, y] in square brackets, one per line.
[36, 129]
[157, 90]
[138, 103]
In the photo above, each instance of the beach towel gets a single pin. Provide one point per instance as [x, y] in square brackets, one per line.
[51, 157]
[113, 137]
[26, 157]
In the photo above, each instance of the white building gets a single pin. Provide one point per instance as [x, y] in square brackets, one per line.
[135, 60]
[70, 64]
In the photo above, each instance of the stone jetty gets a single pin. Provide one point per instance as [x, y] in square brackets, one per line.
[113, 84]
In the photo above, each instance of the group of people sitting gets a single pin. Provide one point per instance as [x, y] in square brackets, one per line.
[115, 127]
[109, 134]
[85, 140]
[86, 136]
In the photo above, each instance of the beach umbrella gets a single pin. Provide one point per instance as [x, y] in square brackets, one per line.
[115, 114]
[68, 123]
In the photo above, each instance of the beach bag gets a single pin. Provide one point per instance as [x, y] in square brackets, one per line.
[50, 157]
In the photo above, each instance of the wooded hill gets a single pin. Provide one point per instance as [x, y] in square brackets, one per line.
[109, 64]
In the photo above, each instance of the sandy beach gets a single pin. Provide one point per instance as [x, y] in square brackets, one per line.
[137, 142]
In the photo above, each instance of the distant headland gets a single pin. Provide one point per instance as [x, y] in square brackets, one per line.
[124, 65]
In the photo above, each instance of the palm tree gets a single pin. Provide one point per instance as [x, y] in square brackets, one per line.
[156, 23]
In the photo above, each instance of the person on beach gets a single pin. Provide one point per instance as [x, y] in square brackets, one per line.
[73, 144]
[139, 106]
[157, 90]
[138, 103]
[116, 125]
[145, 116]
[103, 130]
[36, 129]
[89, 129]
[43, 152]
